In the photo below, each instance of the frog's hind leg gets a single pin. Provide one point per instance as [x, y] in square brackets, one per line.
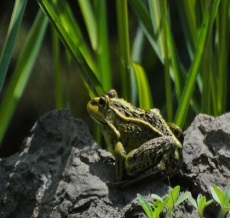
[159, 157]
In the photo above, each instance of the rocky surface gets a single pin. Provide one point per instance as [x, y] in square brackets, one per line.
[61, 172]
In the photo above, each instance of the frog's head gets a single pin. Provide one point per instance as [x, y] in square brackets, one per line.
[102, 110]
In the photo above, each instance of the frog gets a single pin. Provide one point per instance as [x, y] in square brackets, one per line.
[142, 142]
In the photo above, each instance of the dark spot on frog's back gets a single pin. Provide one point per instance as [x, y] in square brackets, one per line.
[151, 118]
[128, 114]
[136, 115]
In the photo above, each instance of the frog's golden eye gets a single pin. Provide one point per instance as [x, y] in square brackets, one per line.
[102, 103]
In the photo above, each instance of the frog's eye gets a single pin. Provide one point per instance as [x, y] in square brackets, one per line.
[112, 93]
[102, 103]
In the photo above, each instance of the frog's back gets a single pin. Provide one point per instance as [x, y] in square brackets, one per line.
[155, 119]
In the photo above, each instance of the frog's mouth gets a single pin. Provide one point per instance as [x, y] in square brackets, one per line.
[93, 110]
[98, 117]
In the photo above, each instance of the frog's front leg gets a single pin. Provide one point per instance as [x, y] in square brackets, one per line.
[160, 155]
[120, 156]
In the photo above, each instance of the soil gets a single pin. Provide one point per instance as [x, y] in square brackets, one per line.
[62, 172]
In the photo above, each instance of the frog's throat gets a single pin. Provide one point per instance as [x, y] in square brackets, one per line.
[109, 125]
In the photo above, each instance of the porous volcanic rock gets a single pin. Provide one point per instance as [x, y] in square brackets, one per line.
[61, 172]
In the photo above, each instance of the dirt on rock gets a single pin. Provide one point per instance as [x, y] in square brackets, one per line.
[61, 172]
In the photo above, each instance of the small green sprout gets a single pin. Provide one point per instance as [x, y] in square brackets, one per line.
[153, 210]
[222, 198]
[174, 199]
[200, 204]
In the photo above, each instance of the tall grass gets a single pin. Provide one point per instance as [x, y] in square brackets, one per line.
[197, 86]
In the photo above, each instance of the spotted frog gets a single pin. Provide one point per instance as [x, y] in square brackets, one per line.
[142, 142]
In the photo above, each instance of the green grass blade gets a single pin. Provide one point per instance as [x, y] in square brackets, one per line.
[90, 21]
[218, 195]
[18, 12]
[22, 71]
[194, 69]
[157, 25]
[136, 57]
[189, 21]
[176, 67]
[138, 46]
[192, 201]
[124, 47]
[144, 19]
[168, 87]
[69, 32]
[102, 51]
[144, 94]
[57, 70]
[223, 31]
[159, 209]
[207, 70]
[145, 205]
[172, 197]
[182, 198]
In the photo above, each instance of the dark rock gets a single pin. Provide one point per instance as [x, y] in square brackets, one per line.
[61, 172]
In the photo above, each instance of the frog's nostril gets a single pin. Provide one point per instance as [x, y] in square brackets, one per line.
[93, 102]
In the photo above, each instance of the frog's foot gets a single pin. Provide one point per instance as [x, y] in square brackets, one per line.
[132, 181]
[152, 174]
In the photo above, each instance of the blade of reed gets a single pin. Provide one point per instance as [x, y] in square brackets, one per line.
[136, 56]
[102, 50]
[177, 70]
[144, 93]
[124, 47]
[168, 87]
[156, 20]
[22, 71]
[15, 22]
[206, 69]
[207, 24]
[62, 19]
[144, 18]
[190, 21]
[223, 31]
[57, 71]
[90, 21]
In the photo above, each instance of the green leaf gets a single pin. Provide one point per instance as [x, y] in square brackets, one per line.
[227, 194]
[182, 198]
[218, 195]
[145, 205]
[57, 71]
[194, 69]
[18, 12]
[124, 47]
[157, 197]
[223, 31]
[172, 197]
[22, 71]
[102, 49]
[159, 208]
[201, 202]
[62, 19]
[90, 21]
[144, 19]
[193, 202]
[144, 94]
